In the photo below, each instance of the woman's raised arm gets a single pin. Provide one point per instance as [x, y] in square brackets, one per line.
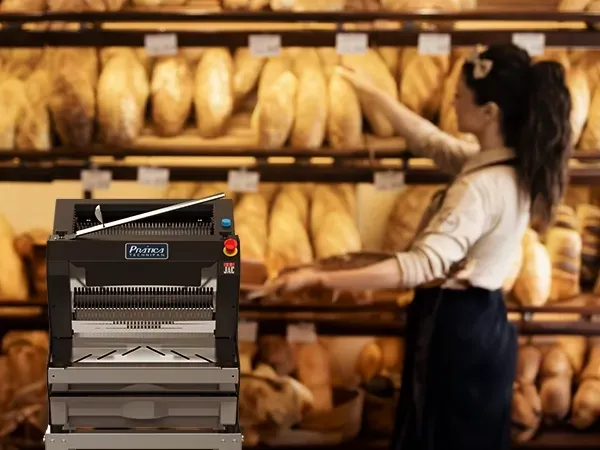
[423, 138]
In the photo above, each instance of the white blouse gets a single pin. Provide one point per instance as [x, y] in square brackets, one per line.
[481, 220]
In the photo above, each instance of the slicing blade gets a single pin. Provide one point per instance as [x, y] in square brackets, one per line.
[145, 215]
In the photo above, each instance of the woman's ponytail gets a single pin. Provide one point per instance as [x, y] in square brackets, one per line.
[544, 143]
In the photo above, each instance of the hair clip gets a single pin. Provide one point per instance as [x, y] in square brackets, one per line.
[481, 66]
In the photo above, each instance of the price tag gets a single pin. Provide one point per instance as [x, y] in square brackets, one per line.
[153, 176]
[161, 44]
[302, 333]
[391, 180]
[243, 181]
[434, 44]
[247, 331]
[93, 179]
[264, 45]
[351, 43]
[533, 43]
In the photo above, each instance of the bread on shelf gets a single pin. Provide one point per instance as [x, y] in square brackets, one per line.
[172, 91]
[310, 121]
[586, 403]
[533, 283]
[73, 100]
[564, 248]
[213, 95]
[526, 414]
[561, 363]
[123, 90]
[374, 67]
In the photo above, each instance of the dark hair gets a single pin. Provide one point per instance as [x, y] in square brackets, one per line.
[535, 105]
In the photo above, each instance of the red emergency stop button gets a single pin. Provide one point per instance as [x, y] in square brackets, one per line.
[230, 247]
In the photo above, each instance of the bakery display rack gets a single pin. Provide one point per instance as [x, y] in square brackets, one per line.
[64, 162]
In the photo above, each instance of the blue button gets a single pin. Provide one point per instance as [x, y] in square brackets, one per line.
[226, 223]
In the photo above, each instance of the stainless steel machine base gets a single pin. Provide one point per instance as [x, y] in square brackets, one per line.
[143, 441]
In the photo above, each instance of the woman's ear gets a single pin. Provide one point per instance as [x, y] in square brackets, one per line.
[491, 111]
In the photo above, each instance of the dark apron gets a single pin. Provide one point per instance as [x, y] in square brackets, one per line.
[459, 369]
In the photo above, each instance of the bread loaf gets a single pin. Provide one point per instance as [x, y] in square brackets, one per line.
[586, 403]
[276, 111]
[448, 121]
[86, 5]
[27, 363]
[13, 283]
[330, 205]
[123, 91]
[172, 88]
[391, 58]
[274, 68]
[580, 97]
[311, 101]
[422, 83]
[370, 361]
[590, 138]
[314, 371]
[416, 5]
[213, 96]
[33, 129]
[247, 70]
[534, 281]
[589, 226]
[19, 62]
[24, 6]
[406, 215]
[344, 123]
[555, 386]
[288, 243]
[564, 249]
[307, 5]
[12, 101]
[251, 225]
[373, 66]
[526, 412]
[73, 101]
[342, 238]
[236, 4]
[330, 197]
[31, 248]
[344, 355]
[511, 279]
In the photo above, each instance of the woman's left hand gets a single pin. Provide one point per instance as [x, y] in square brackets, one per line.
[291, 282]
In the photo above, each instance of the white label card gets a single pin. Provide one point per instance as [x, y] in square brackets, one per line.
[264, 45]
[434, 44]
[161, 44]
[302, 333]
[533, 43]
[93, 179]
[247, 331]
[390, 180]
[351, 43]
[154, 176]
[243, 181]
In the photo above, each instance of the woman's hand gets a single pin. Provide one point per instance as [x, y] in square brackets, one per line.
[359, 79]
[290, 282]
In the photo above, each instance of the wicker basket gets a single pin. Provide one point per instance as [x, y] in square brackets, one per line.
[341, 424]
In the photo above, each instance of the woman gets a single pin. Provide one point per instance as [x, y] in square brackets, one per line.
[461, 350]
